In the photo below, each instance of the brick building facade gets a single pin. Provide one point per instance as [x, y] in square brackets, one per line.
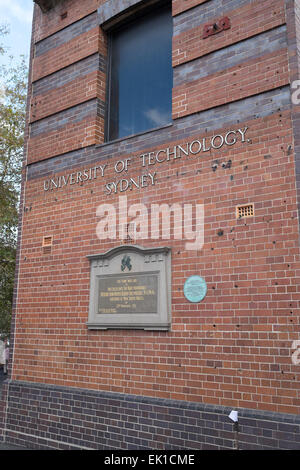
[71, 387]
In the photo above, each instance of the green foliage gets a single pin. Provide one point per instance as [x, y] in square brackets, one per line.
[12, 121]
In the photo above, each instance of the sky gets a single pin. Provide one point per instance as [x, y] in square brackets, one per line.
[17, 14]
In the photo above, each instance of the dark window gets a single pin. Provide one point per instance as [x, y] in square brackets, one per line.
[140, 92]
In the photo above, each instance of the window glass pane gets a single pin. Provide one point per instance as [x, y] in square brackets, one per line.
[141, 75]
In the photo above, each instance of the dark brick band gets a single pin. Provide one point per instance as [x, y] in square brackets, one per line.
[64, 418]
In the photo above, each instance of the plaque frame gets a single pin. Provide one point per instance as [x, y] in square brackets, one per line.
[143, 262]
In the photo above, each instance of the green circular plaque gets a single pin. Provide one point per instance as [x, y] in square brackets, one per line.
[195, 289]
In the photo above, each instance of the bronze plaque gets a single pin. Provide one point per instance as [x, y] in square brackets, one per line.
[128, 293]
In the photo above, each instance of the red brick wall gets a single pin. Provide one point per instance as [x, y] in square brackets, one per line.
[78, 91]
[74, 92]
[82, 46]
[233, 348]
[66, 139]
[246, 79]
[48, 24]
[179, 6]
[246, 21]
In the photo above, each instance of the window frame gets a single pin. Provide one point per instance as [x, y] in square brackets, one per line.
[144, 9]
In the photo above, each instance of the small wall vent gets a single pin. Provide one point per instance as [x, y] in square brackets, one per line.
[47, 243]
[246, 210]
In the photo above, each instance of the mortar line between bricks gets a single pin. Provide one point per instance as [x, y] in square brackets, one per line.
[47, 439]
